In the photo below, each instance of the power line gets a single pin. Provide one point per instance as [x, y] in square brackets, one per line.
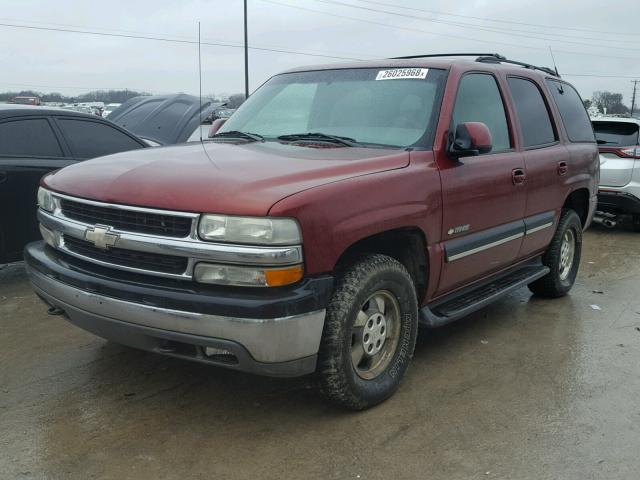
[444, 22]
[173, 40]
[597, 75]
[486, 19]
[388, 25]
[491, 28]
[475, 40]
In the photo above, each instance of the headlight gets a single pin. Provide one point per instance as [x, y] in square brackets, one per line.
[247, 276]
[250, 230]
[45, 200]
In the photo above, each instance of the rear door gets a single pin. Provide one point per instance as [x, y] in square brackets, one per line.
[545, 159]
[483, 201]
[619, 152]
[29, 149]
[90, 138]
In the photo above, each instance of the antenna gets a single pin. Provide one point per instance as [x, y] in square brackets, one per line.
[200, 85]
[554, 61]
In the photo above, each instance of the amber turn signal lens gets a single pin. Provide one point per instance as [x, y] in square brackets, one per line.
[283, 276]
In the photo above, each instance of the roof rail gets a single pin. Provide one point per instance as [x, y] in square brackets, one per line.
[485, 58]
[501, 59]
[409, 57]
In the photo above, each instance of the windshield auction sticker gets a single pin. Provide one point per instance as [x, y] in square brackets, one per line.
[402, 73]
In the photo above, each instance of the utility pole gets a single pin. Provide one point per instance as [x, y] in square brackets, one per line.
[633, 98]
[246, 54]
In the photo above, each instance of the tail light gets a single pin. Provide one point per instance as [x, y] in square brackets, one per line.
[627, 152]
[633, 152]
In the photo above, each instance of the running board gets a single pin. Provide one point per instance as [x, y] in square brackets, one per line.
[468, 300]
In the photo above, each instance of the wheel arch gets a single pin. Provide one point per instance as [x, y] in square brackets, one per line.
[578, 201]
[408, 245]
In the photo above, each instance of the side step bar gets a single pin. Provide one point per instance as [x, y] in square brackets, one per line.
[459, 304]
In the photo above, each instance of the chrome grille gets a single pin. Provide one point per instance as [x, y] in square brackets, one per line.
[128, 258]
[127, 220]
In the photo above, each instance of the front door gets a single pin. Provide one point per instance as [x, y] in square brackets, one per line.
[484, 196]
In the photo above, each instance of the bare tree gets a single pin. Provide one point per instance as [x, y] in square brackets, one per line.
[609, 102]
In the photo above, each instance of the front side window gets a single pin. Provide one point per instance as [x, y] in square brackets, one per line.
[32, 137]
[89, 139]
[574, 115]
[362, 104]
[479, 100]
[535, 121]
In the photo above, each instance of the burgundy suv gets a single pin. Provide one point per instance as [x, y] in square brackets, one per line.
[336, 211]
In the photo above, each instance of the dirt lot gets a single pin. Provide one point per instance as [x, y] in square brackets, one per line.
[524, 389]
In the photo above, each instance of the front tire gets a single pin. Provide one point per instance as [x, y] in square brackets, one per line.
[369, 333]
[562, 257]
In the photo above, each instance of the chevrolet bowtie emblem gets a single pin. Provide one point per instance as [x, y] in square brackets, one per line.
[101, 237]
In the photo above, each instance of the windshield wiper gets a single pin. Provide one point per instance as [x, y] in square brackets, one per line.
[604, 142]
[238, 134]
[346, 141]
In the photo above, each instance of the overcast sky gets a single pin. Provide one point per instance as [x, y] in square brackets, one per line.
[584, 41]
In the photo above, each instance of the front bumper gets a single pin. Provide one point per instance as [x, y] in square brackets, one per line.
[267, 332]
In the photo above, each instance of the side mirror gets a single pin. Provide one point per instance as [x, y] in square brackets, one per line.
[215, 126]
[469, 139]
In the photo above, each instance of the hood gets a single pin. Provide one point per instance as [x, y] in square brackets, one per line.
[244, 179]
[165, 119]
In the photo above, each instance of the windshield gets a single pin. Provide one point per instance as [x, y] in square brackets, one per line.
[391, 107]
[616, 134]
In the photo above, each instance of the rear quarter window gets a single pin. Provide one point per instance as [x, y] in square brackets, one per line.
[574, 115]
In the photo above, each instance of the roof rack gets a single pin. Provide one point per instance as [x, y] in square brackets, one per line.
[495, 55]
[501, 59]
[485, 58]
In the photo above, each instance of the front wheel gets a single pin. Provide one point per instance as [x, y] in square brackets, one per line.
[562, 257]
[369, 333]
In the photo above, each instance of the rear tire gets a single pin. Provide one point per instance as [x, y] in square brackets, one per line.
[562, 257]
[369, 333]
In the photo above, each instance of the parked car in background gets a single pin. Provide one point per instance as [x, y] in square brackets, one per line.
[340, 207]
[203, 130]
[108, 108]
[35, 141]
[162, 119]
[619, 144]
[25, 100]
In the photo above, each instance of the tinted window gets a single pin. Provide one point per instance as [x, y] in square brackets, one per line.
[479, 100]
[532, 113]
[574, 115]
[93, 139]
[616, 134]
[32, 137]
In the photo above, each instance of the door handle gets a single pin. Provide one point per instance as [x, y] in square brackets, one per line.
[518, 176]
[3, 177]
[563, 168]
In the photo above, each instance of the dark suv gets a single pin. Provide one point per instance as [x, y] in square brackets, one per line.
[340, 207]
[35, 141]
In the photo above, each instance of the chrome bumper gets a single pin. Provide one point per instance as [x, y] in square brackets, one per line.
[268, 341]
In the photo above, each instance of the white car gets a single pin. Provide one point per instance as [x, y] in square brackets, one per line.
[619, 192]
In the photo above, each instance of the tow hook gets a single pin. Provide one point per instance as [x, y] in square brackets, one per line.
[609, 220]
[55, 311]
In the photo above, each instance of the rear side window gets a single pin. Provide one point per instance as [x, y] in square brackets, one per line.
[574, 115]
[93, 139]
[479, 100]
[616, 134]
[532, 113]
[30, 137]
